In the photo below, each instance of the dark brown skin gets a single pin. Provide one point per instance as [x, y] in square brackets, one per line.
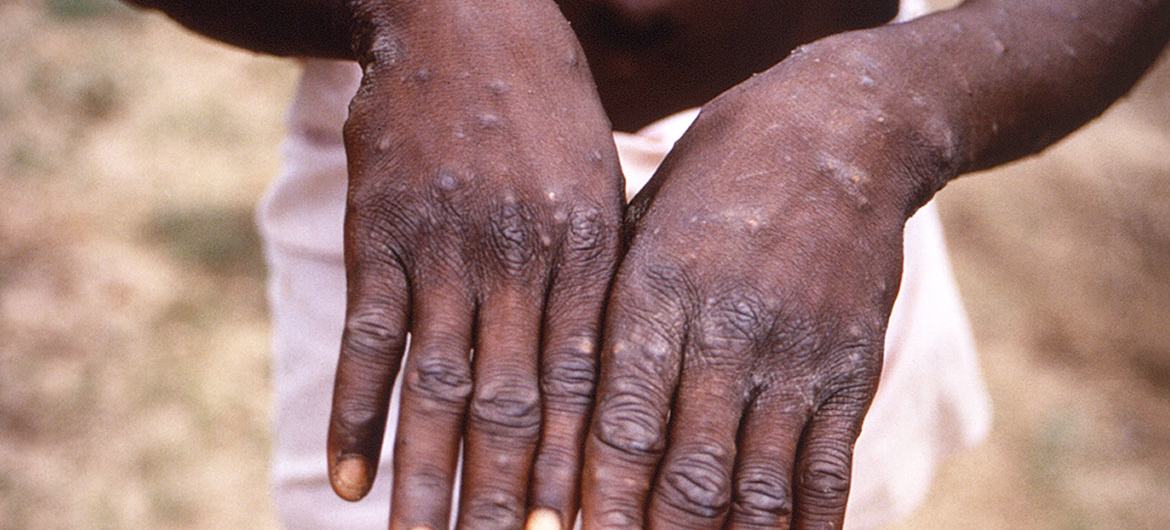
[744, 328]
[492, 226]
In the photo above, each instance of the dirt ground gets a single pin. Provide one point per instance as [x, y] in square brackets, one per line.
[134, 386]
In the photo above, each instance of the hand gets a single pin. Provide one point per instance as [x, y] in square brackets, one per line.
[484, 206]
[744, 334]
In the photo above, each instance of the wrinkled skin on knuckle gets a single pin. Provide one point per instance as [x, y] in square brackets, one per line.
[441, 381]
[370, 337]
[798, 340]
[762, 493]
[629, 423]
[591, 236]
[651, 293]
[506, 406]
[697, 483]
[512, 238]
[824, 475]
[490, 508]
[650, 270]
[733, 325]
[568, 380]
[855, 374]
[380, 231]
[848, 375]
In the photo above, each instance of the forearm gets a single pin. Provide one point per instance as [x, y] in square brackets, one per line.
[1015, 76]
[986, 83]
[361, 29]
[306, 28]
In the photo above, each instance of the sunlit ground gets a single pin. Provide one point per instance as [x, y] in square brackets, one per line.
[134, 387]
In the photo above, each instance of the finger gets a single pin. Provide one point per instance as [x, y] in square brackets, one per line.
[825, 460]
[762, 497]
[371, 350]
[640, 365]
[504, 416]
[568, 367]
[693, 488]
[435, 390]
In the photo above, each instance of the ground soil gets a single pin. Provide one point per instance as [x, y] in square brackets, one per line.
[134, 386]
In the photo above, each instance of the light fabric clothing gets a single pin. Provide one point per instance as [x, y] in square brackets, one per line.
[931, 400]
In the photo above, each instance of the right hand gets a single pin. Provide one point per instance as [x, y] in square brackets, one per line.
[484, 204]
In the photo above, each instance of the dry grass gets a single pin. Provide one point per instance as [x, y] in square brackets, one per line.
[133, 369]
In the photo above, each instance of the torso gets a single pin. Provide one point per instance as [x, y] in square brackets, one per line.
[651, 58]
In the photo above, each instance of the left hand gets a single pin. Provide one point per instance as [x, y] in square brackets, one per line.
[745, 327]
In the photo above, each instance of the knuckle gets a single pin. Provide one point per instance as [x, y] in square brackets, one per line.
[824, 476]
[667, 284]
[590, 235]
[734, 321]
[850, 379]
[512, 237]
[493, 508]
[378, 233]
[848, 395]
[796, 336]
[628, 422]
[762, 491]
[369, 335]
[569, 379]
[508, 406]
[697, 482]
[440, 380]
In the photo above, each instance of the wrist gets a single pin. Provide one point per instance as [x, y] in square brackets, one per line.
[854, 103]
[383, 31]
[917, 135]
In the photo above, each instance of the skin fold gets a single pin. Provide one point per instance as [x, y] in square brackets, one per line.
[742, 335]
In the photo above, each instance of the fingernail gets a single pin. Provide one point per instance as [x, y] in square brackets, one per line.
[421, 527]
[351, 478]
[543, 519]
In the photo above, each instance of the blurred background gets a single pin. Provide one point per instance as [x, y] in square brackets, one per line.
[134, 385]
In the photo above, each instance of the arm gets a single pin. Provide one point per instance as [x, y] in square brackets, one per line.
[745, 329]
[1017, 76]
[996, 80]
[308, 28]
